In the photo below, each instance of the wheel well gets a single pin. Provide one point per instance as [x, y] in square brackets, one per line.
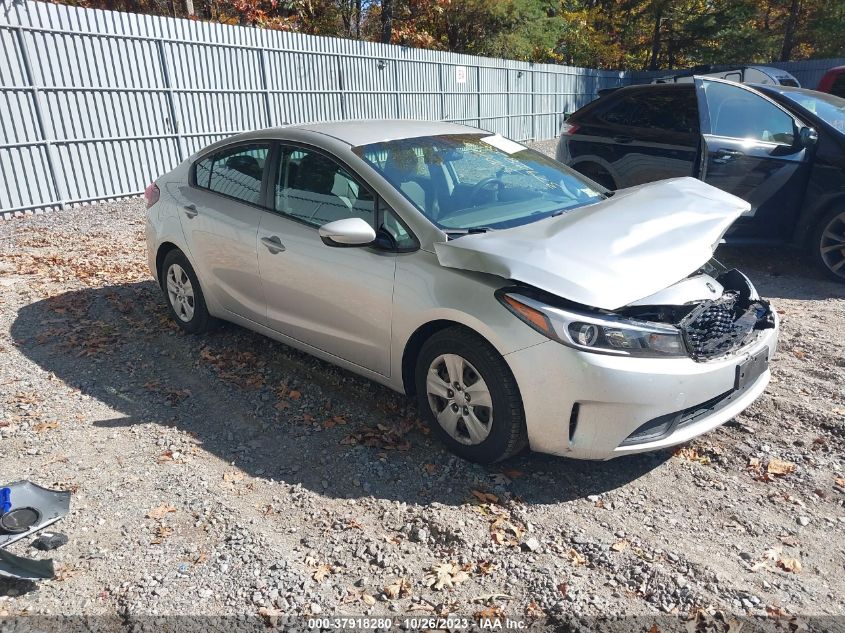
[163, 250]
[596, 172]
[413, 347]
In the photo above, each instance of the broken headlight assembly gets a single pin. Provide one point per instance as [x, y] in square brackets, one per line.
[604, 334]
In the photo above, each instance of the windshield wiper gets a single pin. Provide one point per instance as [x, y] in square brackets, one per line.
[469, 231]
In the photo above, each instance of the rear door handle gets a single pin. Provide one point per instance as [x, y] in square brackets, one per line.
[623, 139]
[191, 210]
[273, 244]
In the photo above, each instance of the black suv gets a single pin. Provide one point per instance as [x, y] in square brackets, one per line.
[781, 150]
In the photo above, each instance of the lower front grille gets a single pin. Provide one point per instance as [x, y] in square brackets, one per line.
[664, 425]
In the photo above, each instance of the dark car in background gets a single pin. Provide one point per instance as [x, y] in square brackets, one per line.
[780, 148]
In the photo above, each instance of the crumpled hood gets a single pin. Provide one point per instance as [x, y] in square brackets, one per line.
[611, 253]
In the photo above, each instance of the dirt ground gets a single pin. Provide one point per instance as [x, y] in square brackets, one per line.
[229, 475]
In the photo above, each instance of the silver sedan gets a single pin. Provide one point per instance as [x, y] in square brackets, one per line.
[521, 303]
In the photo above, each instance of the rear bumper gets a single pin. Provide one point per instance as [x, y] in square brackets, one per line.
[616, 396]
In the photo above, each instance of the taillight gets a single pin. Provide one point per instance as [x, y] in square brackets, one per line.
[568, 128]
[151, 194]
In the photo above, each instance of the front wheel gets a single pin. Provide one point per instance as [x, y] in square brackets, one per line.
[829, 244]
[469, 397]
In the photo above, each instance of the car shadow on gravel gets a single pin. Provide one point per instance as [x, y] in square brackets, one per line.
[780, 272]
[272, 411]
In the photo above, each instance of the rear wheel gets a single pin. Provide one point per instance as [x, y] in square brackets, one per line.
[469, 397]
[829, 244]
[183, 294]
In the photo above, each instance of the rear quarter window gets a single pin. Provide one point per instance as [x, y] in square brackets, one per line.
[668, 110]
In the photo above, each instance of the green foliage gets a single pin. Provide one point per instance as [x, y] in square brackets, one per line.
[636, 34]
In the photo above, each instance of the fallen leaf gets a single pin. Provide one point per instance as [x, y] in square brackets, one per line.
[400, 588]
[445, 576]
[790, 564]
[840, 481]
[753, 463]
[162, 532]
[322, 572]
[430, 468]
[505, 533]
[294, 395]
[41, 427]
[692, 455]
[368, 599]
[779, 467]
[485, 497]
[160, 512]
[513, 473]
[233, 476]
[619, 546]
[490, 613]
[575, 557]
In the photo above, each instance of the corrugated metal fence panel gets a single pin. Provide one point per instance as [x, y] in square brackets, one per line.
[95, 104]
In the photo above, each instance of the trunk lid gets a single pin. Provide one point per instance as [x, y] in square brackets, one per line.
[608, 254]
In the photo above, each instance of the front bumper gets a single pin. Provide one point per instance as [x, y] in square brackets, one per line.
[613, 397]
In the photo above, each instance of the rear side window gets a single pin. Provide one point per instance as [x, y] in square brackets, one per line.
[670, 110]
[235, 172]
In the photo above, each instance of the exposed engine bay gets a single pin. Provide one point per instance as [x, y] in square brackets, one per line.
[715, 326]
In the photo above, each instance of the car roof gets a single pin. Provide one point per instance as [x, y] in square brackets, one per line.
[365, 132]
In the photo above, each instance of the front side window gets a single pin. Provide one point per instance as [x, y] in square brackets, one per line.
[462, 182]
[235, 172]
[739, 113]
[313, 188]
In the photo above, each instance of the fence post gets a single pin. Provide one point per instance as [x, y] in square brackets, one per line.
[533, 109]
[478, 92]
[508, 100]
[262, 60]
[341, 87]
[395, 65]
[43, 130]
[171, 101]
[442, 92]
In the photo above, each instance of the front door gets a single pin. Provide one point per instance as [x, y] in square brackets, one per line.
[338, 300]
[751, 148]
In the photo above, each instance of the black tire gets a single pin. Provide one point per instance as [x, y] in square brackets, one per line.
[200, 321]
[832, 222]
[507, 432]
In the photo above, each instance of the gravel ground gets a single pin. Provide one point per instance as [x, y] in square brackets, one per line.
[230, 475]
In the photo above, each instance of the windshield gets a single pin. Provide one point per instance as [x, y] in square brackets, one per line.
[465, 182]
[827, 107]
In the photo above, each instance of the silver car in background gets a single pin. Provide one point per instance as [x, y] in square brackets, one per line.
[520, 302]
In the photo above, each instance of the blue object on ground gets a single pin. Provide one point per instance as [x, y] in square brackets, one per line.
[5, 500]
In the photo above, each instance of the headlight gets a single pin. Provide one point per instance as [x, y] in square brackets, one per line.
[601, 334]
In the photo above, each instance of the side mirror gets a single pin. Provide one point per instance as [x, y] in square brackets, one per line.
[808, 136]
[347, 232]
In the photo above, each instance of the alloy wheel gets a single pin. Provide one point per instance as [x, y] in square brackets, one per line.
[832, 245]
[459, 399]
[180, 292]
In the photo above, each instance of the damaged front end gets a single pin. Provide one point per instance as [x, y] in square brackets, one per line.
[713, 327]
[713, 313]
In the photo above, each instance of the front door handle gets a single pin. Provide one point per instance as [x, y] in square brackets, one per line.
[723, 156]
[623, 139]
[273, 244]
[191, 210]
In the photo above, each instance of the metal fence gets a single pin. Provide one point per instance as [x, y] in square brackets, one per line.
[97, 103]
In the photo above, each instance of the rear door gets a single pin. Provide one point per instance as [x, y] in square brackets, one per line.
[220, 218]
[644, 135]
[751, 148]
